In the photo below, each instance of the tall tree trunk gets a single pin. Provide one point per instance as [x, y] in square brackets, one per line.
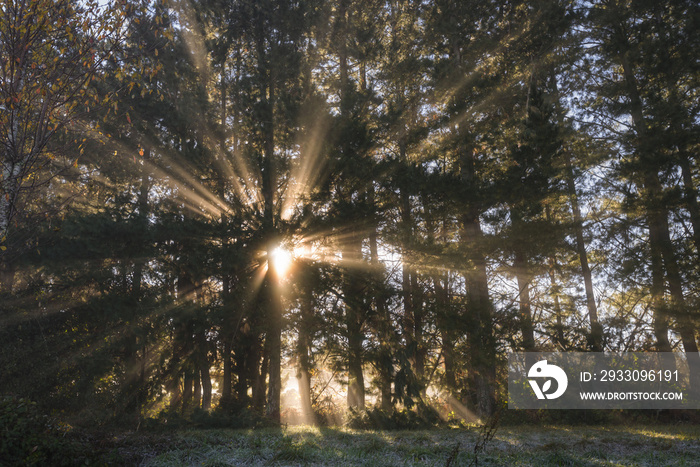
[448, 324]
[385, 359]
[596, 337]
[273, 335]
[304, 366]
[418, 316]
[273, 344]
[481, 338]
[523, 276]
[657, 215]
[182, 347]
[559, 338]
[203, 369]
[229, 323]
[448, 330]
[142, 219]
[197, 393]
[659, 235]
[206, 385]
[189, 367]
[679, 308]
[354, 316]
[9, 193]
[174, 387]
[227, 382]
[658, 287]
[187, 385]
[482, 344]
[354, 320]
[260, 384]
[411, 322]
[247, 355]
[133, 362]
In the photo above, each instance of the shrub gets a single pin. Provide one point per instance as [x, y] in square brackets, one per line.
[422, 417]
[27, 437]
[221, 417]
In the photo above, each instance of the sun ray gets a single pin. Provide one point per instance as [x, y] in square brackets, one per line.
[187, 185]
[309, 169]
[230, 164]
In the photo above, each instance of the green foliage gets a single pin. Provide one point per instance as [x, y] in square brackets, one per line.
[221, 417]
[420, 418]
[28, 437]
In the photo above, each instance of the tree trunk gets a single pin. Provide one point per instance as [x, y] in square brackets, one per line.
[229, 323]
[559, 338]
[142, 219]
[197, 393]
[353, 250]
[385, 360]
[354, 322]
[247, 355]
[206, 385]
[182, 347]
[9, 192]
[131, 346]
[202, 370]
[356, 382]
[304, 367]
[408, 279]
[448, 328]
[482, 343]
[679, 308]
[175, 365]
[260, 384]
[596, 337]
[523, 276]
[481, 339]
[187, 389]
[273, 336]
[658, 287]
[227, 383]
[659, 234]
[273, 344]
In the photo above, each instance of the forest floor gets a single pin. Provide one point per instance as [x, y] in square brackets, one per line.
[667, 445]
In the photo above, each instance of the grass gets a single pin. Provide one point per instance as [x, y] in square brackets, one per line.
[539, 446]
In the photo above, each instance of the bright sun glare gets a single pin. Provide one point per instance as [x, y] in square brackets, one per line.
[281, 260]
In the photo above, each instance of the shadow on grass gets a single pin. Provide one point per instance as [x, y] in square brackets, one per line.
[532, 445]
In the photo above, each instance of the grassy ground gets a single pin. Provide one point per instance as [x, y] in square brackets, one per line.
[518, 446]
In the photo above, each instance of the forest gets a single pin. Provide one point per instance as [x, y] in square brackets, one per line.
[314, 211]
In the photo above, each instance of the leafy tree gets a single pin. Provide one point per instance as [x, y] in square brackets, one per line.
[51, 51]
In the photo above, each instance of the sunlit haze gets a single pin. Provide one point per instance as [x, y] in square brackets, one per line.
[281, 261]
